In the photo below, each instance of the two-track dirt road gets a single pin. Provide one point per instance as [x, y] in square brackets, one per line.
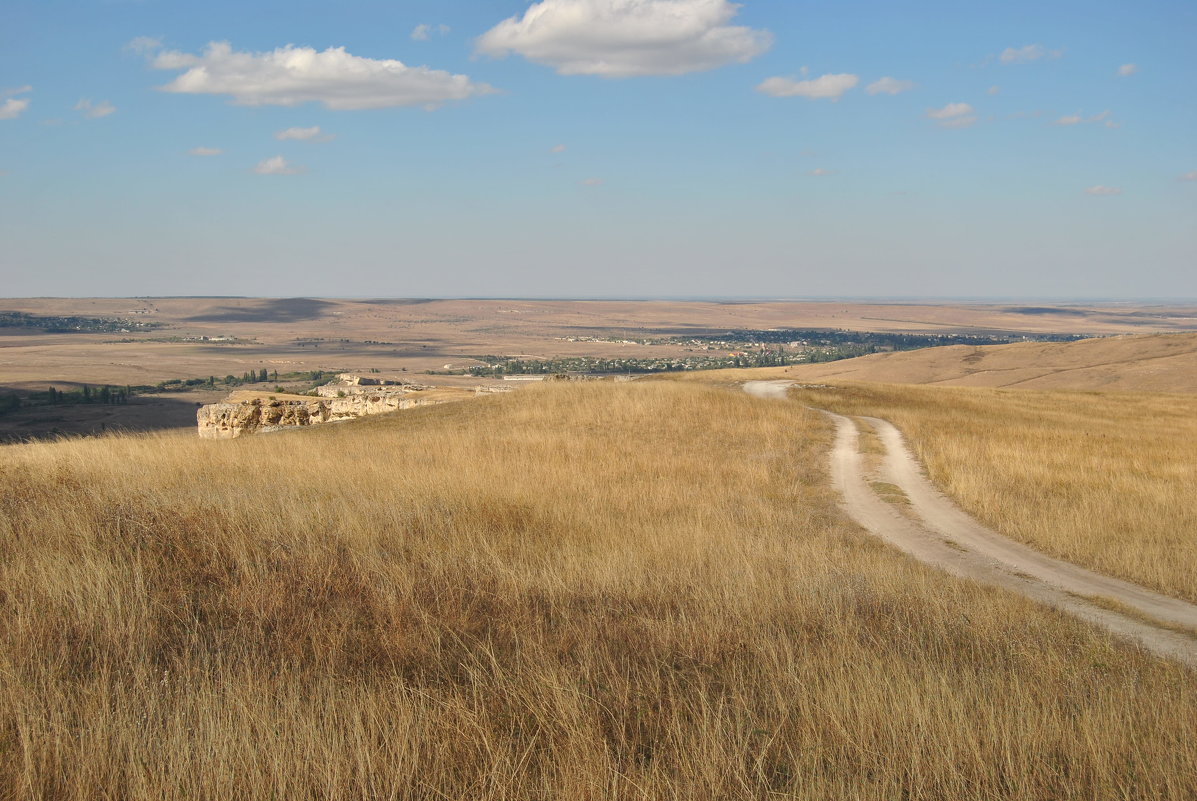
[937, 532]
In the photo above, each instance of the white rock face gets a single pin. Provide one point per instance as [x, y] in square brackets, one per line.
[345, 400]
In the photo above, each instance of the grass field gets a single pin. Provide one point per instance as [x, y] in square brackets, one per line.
[1105, 480]
[577, 591]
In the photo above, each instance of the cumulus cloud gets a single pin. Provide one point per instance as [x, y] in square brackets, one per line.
[819, 171]
[205, 151]
[1127, 70]
[949, 111]
[290, 76]
[12, 107]
[592, 182]
[1027, 54]
[304, 135]
[423, 32]
[277, 165]
[93, 111]
[627, 38]
[831, 87]
[889, 86]
[1103, 190]
[993, 90]
[557, 149]
[1188, 176]
[953, 115]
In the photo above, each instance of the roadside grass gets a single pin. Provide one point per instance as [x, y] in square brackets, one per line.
[1105, 480]
[576, 591]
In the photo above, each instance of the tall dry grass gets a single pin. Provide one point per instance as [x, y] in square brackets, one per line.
[574, 592]
[1105, 480]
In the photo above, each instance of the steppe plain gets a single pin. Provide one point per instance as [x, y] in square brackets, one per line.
[645, 590]
[217, 336]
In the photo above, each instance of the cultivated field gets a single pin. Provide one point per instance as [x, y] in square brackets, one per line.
[308, 334]
[576, 591]
[1104, 480]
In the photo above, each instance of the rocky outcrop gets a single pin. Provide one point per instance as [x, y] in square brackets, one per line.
[345, 400]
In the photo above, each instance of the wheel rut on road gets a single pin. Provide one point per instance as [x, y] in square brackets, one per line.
[937, 532]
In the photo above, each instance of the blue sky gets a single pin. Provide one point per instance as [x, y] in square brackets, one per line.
[581, 148]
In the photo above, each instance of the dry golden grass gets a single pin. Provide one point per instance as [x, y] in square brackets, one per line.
[1142, 363]
[638, 591]
[1105, 480]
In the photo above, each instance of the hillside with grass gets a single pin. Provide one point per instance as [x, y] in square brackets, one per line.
[1139, 363]
[595, 590]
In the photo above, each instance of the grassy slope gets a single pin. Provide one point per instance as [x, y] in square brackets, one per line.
[577, 591]
[1150, 363]
[1105, 480]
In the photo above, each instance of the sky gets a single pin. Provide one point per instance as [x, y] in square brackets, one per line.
[599, 148]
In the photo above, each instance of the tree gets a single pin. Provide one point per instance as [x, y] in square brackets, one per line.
[262, 376]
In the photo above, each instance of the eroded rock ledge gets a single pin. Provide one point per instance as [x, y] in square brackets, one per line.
[247, 412]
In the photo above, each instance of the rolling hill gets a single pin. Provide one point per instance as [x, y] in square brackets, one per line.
[1141, 363]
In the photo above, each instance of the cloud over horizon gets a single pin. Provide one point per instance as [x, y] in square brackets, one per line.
[626, 38]
[953, 115]
[277, 165]
[13, 107]
[825, 87]
[291, 76]
[96, 110]
[304, 135]
[889, 86]
[1103, 190]
[1027, 53]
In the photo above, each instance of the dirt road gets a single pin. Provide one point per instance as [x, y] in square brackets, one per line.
[937, 532]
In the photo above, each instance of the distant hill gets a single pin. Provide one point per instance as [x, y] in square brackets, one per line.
[1148, 363]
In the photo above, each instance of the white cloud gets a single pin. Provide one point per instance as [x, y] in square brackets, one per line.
[993, 90]
[1027, 54]
[557, 149]
[949, 111]
[277, 165]
[289, 76]
[205, 151]
[819, 171]
[626, 38]
[12, 108]
[423, 32]
[1077, 119]
[96, 110]
[1188, 176]
[825, 86]
[889, 86]
[304, 135]
[1103, 190]
[1128, 69]
[593, 182]
[144, 44]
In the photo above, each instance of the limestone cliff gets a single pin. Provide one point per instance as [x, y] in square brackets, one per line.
[259, 412]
